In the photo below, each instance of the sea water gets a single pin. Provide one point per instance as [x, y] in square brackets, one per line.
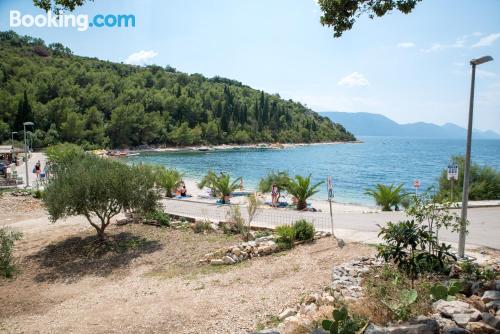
[353, 167]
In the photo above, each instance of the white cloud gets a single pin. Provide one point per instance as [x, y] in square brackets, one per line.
[406, 45]
[354, 79]
[141, 58]
[487, 40]
[486, 74]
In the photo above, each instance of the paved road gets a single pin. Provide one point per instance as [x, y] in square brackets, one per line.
[484, 229]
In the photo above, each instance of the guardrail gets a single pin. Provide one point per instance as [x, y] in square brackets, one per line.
[265, 217]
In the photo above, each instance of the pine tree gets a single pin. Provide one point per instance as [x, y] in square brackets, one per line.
[24, 113]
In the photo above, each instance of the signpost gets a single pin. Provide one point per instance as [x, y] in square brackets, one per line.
[329, 185]
[416, 185]
[452, 176]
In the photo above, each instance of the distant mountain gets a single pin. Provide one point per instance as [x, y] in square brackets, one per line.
[368, 124]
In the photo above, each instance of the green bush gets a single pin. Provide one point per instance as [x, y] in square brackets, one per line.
[38, 194]
[286, 236]
[303, 230]
[387, 197]
[260, 234]
[446, 292]
[342, 323]
[161, 217]
[7, 241]
[202, 226]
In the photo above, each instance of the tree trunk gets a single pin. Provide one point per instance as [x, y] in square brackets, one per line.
[301, 205]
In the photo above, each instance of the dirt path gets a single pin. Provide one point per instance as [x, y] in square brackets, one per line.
[153, 284]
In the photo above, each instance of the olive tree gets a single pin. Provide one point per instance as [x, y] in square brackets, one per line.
[99, 189]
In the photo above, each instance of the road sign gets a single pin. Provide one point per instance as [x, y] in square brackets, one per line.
[329, 184]
[452, 172]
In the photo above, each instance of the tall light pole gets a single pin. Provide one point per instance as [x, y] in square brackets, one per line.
[465, 192]
[12, 138]
[26, 152]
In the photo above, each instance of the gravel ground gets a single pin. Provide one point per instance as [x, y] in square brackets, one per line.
[151, 281]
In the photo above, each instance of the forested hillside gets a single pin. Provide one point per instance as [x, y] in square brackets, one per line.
[98, 104]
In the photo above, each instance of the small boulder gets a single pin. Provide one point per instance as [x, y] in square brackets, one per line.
[491, 320]
[228, 260]
[286, 313]
[494, 305]
[236, 251]
[216, 261]
[479, 328]
[460, 312]
[490, 296]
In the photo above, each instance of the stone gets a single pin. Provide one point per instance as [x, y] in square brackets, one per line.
[216, 261]
[494, 305]
[228, 260]
[264, 250]
[479, 328]
[491, 320]
[490, 296]
[236, 251]
[311, 299]
[477, 302]
[460, 312]
[421, 325]
[309, 308]
[267, 331]
[455, 330]
[374, 329]
[286, 313]
[319, 331]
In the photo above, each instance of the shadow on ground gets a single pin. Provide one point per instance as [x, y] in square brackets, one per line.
[74, 258]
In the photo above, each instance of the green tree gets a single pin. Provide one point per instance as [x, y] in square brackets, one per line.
[387, 196]
[24, 113]
[302, 189]
[99, 189]
[342, 14]
[278, 178]
[170, 180]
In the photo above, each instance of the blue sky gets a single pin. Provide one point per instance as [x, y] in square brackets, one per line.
[407, 67]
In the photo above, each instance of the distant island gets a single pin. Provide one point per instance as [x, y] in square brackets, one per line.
[369, 124]
[101, 104]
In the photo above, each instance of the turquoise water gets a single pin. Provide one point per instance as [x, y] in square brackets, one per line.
[354, 167]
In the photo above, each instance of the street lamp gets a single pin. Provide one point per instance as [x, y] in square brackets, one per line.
[465, 192]
[26, 152]
[12, 138]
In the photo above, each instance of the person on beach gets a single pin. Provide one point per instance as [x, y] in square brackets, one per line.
[274, 195]
[183, 191]
[38, 168]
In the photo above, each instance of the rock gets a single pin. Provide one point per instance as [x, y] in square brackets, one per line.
[455, 330]
[311, 299]
[286, 313]
[267, 331]
[228, 260]
[319, 331]
[216, 261]
[309, 308]
[491, 320]
[445, 324]
[421, 325]
[477, 302]
[479, 328]
[490, 296]
[236, 251]
[460, 312]
[497, 285]
[264, 250]
[494, 305]
[340, 243]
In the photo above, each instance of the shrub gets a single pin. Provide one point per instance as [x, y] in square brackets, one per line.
[201, 226]
[38, 194]
[387, 196]
[160, 216]
[236, 223]
[286, 236]
[302, 189]
[446, 292]
[170, 179]
[342, 323]
[303, 230]
[7, 241]
[260, 234]
[413, 249]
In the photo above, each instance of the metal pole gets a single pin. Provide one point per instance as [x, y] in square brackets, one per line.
[451, 191]
[26, 157]
[465, 192]
[331, 215]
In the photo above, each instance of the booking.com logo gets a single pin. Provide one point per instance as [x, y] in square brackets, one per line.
[81, 22]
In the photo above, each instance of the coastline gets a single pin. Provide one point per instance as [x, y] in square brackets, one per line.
[226, 147]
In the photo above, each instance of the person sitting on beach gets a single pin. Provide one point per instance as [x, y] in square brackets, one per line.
[183, 191]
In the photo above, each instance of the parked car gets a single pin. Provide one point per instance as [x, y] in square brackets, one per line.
[3, 168]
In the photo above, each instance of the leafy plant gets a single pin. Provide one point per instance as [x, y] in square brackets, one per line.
[260, 234]
[235, 223]
[202, 226]
[286, 236]
[400, 306]
[253, 204]
[170, 179]
[220, 185]
[302, 189]
[7, 241]
[278, 178]
[303, 230]
[342, 323]
[440, 291]
[387, 196]
[407, 244]
[160, 216]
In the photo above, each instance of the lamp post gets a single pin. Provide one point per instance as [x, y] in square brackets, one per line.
[26, 152]
[465, 192]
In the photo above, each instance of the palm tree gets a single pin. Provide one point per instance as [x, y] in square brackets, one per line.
[301, 189]
[221, 185]
[170, 179]
[278, 178]
[387, 196]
